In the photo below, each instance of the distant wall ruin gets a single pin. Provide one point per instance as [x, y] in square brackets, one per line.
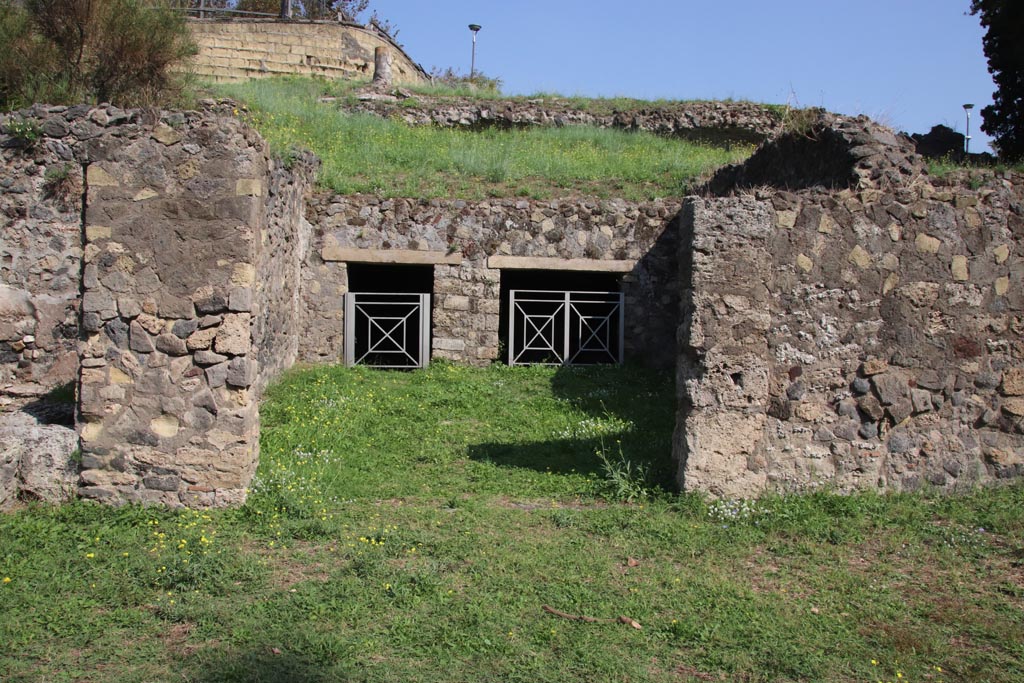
[240, 49]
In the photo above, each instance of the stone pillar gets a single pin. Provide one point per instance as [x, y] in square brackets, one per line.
[723, 371]
[168, 409]
[381, 68]
[466, 312]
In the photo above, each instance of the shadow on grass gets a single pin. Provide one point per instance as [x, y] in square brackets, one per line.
[265, 666]
[630, 418]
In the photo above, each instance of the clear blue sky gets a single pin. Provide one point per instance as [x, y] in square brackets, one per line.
[908, 63]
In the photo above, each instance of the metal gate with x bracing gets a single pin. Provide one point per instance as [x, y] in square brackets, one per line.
[564, 328]
[387, 330]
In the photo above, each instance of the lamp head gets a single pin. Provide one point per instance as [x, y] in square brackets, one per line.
[475, 27]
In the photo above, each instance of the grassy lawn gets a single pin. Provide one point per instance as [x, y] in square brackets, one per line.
[367, 154]
[412, 527]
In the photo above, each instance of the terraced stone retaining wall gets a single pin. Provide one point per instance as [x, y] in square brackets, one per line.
[239, 49]
[469, 244]
[715, 122]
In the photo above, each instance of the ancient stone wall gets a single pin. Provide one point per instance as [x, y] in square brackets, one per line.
[863, 337]
[280, 252]
[718, 122]
[240, 49]
[192, 244]
[40, 253]
[844, 319]
[470, 243]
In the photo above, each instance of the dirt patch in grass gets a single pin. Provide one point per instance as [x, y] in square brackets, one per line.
[688, 672]
[531, 505]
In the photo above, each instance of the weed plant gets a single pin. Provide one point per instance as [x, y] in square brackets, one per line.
[410, 526]
[367, 154]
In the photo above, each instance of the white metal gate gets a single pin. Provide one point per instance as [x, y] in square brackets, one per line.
[387, 330]
[564, 328]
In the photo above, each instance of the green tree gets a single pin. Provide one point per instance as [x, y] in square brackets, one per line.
[344, 10]
[1003, 21]
[62, 51]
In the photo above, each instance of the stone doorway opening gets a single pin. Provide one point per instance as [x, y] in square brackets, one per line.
[556, 317]
[388, 314]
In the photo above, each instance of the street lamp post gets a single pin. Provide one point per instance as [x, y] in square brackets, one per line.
[967, 138]
[475, 28]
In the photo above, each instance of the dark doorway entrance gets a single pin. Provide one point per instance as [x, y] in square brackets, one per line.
[388, 315]
[561, 317]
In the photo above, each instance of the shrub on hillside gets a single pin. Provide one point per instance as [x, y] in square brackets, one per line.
[63, 51]
[451, 78]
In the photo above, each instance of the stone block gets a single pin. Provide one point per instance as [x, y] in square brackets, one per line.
[35, 460]
[248, 187]
[211, 303]
[931, 380]
[785, 219]
[233, 336]
[442, 344]
[926, 244]
[201, 339]
[870, 406]
[150, 323]
[165, 426]
[1013, 382]
[1014, 406]
[98, 301]
[959, 268]
[241, 372]
[454, 302]
[874, 366]
[827, 225]
[921, 400]
[900, 410]
[162, 482]
[240, 300]
[243, 274]
[217, 375]
[166, 135]
[868, 430]
[117, 331]
[97, 232]
[859, 257]
[128, 308]
[891, 281]
[97, 177]
[171, 345]
[207, 357]
[183, 328]
[890, 387]
[171, 306]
